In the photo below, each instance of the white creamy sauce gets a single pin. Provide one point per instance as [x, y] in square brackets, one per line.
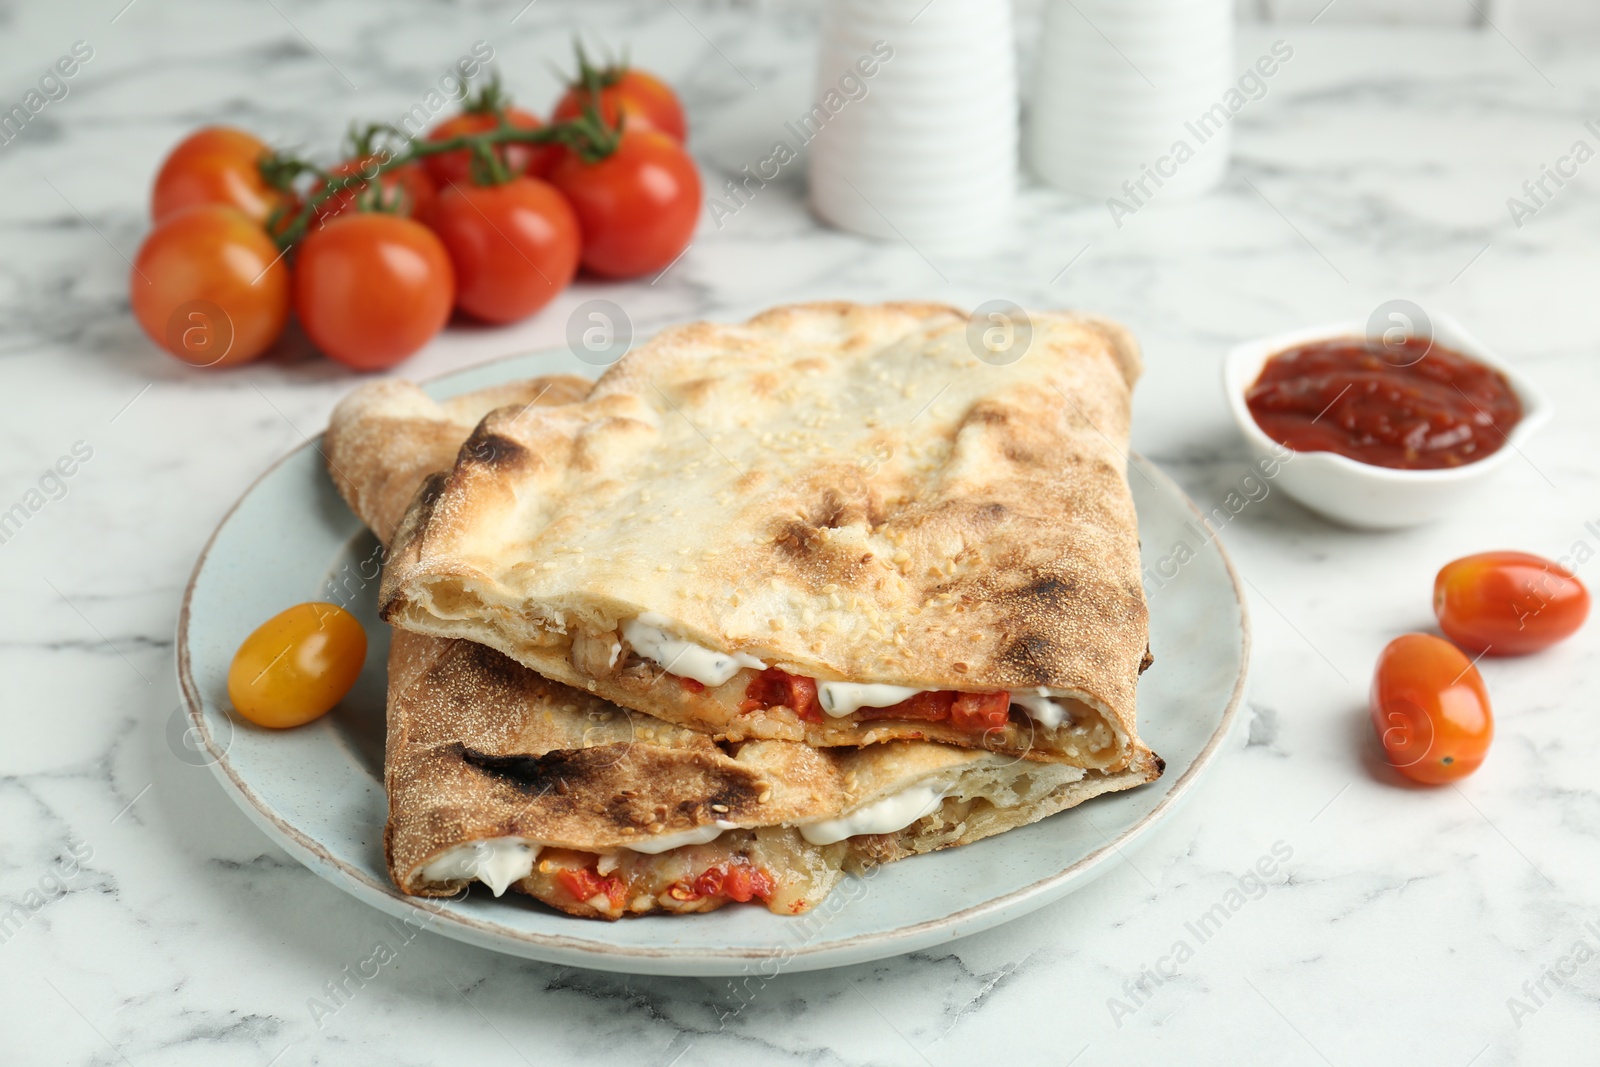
[880, 817]
[496, 862]
[841, 698]
[698, 836]
[651, 636]
[1040, 708]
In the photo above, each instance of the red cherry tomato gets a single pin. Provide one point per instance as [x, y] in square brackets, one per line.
[297, 665]
[371, 289]
[637, 207]
[406, 189]
[1430, 709]
[513, 246]
[209, 286]
[215, 165]
[449, 168]
[642, 100]
[1508, 603]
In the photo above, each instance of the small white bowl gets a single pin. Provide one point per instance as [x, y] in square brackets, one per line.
[1362, 494]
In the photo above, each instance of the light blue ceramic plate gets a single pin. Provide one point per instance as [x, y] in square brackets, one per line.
[318, 790]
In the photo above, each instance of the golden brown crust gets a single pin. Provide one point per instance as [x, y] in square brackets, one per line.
[480, 747]
[844, 491]
[386, 436]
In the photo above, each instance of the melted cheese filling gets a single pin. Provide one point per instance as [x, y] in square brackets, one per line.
[1040, 708]
[700, 835]
[839, 699]
[651, 636]
[895, 812]
[496, 862]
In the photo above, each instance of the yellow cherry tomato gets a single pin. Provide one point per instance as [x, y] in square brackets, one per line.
[297, 665]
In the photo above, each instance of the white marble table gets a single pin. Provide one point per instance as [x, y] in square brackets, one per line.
[1401, 922]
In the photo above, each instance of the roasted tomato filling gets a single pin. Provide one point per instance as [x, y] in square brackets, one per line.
[774, 688]
[977, 712]
[981, 712]
[585, 885]
[738, 881]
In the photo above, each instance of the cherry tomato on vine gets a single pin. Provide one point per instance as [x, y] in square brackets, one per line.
[372, 288]
[449, 168]
[642, 100]
[297, 665]
[406, 190]
[513, 246]
[1430, 709]
[1508, 603]
[637, 207]
[209, 286]
[215, 165]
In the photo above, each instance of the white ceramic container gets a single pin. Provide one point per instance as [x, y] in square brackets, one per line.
[1361, 494]
[928, 152]
[1116, 83]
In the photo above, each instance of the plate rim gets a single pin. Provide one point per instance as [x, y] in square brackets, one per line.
[582, 951]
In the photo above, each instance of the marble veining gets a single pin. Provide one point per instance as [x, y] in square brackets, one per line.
[1304, 908]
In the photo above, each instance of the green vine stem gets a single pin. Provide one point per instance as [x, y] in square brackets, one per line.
[587, 136]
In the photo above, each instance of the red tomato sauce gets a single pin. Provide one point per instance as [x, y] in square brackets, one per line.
[1411, 407]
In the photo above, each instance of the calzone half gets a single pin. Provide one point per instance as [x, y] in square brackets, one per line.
[495, 774]
[835, 523]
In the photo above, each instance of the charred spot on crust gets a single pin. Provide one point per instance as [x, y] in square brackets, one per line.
[493, 450]
[734, 795]
[1047, 593]
[833, 512]
[806, 557]
[433, 488]
[1161, 766]
[1149, 658]
[798, 537]
[1031, 656]
[737, 794]
[626, 811]
[558, 771]
[1023, 457]
[581, 776]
